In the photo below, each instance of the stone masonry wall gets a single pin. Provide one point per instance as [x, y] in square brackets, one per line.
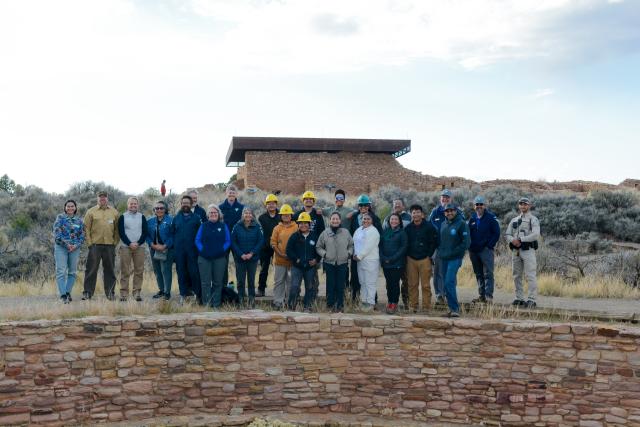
[356, 173]
[412, 368]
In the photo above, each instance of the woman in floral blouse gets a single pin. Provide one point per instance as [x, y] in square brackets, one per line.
[68, 232]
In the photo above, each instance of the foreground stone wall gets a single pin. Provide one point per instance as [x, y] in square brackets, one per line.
[414, 368]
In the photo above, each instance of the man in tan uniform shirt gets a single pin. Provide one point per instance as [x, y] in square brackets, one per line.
[101, 231]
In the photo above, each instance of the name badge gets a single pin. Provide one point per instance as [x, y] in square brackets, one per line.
[110, 221]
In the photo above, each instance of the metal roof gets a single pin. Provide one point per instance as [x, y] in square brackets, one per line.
[241, 144]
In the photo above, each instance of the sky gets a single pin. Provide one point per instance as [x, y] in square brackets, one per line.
[133, 92]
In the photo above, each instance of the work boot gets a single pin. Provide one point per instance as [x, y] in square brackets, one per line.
[518, 303]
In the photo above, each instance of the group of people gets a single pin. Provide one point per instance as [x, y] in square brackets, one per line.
[410, 247]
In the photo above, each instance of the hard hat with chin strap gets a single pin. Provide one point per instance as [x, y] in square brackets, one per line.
[286, 210]
[304, 217]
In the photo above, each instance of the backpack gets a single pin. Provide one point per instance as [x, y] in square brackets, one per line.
[229, 296]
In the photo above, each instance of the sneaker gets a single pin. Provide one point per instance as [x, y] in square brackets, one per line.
[123, 299]
[307, 309]
[182, 300]
[392, 308]
[440, 301]
[454, 314]
[69, 297]
[111, 297]
[518, 302]
[166, 297]
[64, 299]
[530, 304]
[260, 293]
[479, 300]
[488, 300]
[86, 296]
[138, 298]
[158, 295]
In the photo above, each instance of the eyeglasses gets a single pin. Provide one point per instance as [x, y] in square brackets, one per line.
[159, 208]
[479, 204]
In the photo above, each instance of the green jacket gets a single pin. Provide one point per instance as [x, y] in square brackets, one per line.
[455, 238]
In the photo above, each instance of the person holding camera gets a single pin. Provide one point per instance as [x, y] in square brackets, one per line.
[522, 235]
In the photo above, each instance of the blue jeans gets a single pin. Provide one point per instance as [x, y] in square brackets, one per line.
[450, 269]
[66, 268]
[297, 276]
[246, 273]
[163, 271]
[335, 285]
[482, 263]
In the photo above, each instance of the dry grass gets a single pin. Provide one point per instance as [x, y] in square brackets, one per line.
[555, 286]
[27, 301]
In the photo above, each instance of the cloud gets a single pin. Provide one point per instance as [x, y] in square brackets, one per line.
[541, 93]
[331, 24]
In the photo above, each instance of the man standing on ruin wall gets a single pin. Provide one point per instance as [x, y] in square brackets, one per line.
[438, 218]
[522, 235]
[232, 212]
[485, 233]
[268, 221]
[101, 231]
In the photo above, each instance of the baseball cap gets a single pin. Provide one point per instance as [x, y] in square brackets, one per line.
[479, 200]
[524, 200]
[450, 207]
[102, 193]
[446, 193]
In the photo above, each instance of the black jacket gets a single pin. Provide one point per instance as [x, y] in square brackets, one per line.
[423, 240]
[393, 248]
[317, 221]
[354, 222]
[268, 224]
[301, 250]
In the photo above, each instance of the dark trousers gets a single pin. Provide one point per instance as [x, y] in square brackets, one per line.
[246, 273]
[297, 276]
[404, 288]
[225, 278]
[211, 273]
[392, 277]
[335, 285]
[163, 271]
[482, 263]
[188, 274]
[265, 260]
[355, 282]
[106, 254]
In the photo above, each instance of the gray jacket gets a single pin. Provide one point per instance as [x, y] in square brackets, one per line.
[336, 248]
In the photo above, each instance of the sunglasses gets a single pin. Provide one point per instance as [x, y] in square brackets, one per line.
[363, 206]
[479, 204]
[158, 209]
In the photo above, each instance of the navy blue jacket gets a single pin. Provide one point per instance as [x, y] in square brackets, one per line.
[231, 213]
[393, 248]
[165, 230]
[437, 217]
[199, 210]
[422, 240]
[246, 239]
[485, 232]
[184, 229]
[301, 250]
[213, 239]
[454, 238]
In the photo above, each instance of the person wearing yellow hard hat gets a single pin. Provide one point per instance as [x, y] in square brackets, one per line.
[268, 222]
[316, 225]
[301, 250]
[282, 264]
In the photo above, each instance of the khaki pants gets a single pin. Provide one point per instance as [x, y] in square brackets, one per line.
[419, 276]
[282, 283]
[131, 262]
[524, 263]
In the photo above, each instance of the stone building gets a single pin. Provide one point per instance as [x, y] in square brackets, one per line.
[293, 165]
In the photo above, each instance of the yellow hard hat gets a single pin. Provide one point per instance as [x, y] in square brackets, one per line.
[270, 198]
[308, 195]
[286, 210]
[304, 217]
